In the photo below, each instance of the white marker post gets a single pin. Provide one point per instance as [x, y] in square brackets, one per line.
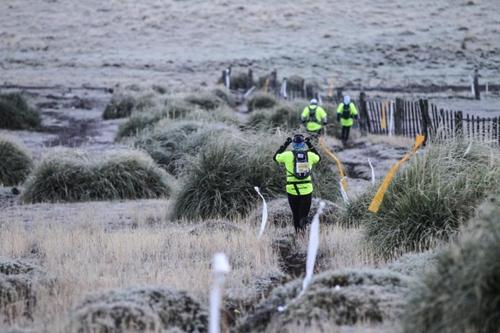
[312, 248]
[220, 267]
[312, 252]
[391, 118]
[345, 197]
[264, 213]
[373, 171]
[228, 79]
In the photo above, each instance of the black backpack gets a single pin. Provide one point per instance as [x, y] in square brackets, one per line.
[312, 114]
[301, 168]
[346, 114]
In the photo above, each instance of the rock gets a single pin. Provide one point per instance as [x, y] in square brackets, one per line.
[139, 309]
[214, 225]
[348, 297]
[19, 281]
[279, 213]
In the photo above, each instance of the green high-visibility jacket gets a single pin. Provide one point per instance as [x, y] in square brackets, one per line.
[305, 187]
[349, 121]
[314, 124]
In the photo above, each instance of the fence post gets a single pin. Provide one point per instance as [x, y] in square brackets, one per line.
[398, 116]
[364, 120]
[477, 93]
[424, 108]
[250, 78]
[459, 123]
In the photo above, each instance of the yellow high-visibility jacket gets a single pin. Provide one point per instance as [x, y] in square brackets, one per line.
[301, 186]
[347, 122]
[314, 124]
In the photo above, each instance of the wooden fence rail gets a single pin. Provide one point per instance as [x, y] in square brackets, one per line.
[409, 118]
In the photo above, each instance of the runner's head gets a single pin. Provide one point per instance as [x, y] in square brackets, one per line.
[347, 100]
[313, 102]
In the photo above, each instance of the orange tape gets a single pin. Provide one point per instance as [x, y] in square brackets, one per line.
[340, 167]
[379, 196]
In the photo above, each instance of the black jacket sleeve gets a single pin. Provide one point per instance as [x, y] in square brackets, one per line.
[313, 150]
[281, 150]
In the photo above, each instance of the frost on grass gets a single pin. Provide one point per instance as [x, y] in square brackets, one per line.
[462, 293]
[347, 297]
[15, 162]
[139, 309]
[18, 283]
[66, 175]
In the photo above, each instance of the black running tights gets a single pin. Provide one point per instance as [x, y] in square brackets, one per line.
[300, 205]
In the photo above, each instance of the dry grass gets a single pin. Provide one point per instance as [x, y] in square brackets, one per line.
[92, 247]
[394, 141]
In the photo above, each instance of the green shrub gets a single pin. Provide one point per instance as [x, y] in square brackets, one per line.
[357, 209]
[462, 293]
[15, 113]
[261, 101]
[220, 182]
[15, 163]
[67, 175]
[433, 195]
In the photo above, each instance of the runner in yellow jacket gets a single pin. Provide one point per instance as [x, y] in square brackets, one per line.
[314, 117]
[298, 165]
[346, 113]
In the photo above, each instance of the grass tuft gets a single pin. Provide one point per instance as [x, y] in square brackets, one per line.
[15, 113]
[15, 162]
[65, 175]
[462, 293]
[261, 101]
[432, 196]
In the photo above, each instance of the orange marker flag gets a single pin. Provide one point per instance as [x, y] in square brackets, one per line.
[343, 177]
[379, 196]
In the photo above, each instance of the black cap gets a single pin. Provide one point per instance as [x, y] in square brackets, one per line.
[298, 138]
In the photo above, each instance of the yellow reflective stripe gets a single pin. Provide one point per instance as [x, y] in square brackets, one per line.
[379, 196]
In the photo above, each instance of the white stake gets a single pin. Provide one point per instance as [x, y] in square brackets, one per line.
[391, 118]
[373, 171]
[472, 90]
[228, 79]
[343, 192]
[312, 248]
[264, 214]
[219, 270]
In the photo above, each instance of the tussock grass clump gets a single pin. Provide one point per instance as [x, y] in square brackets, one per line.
[66, 175]
[151, 309]
[356, 210]
[225, 96]
[219, 183]
[15, 113]
[139, 122]
[285, 115]
[462, 293]
[261, 101]
[433, 195]
[346, 297]
[206, 101]
[119, 107]
[15, 162]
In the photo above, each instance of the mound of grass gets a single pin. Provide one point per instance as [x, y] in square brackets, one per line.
[66, 175]
[432, 196]
[220, 182]
[147, 309]
[120, 106]
[240, 80]
[462, 293]
[225, 96]
[261, 101]
[15, 163]
[206, 101]
[348, 297]
[356, 210]
[15, 113]
[139, 122]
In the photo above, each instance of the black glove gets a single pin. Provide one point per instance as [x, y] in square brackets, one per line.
[308, 142]
[356, 116]
[338, 116]
[288, 141]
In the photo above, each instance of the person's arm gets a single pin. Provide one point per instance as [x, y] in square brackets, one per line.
[311, 148]
[305, 115]
[325, 117]
[339, 111]
[282, 149]
[354, 111]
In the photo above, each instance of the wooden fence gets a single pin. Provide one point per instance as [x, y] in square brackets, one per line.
[409, 118]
